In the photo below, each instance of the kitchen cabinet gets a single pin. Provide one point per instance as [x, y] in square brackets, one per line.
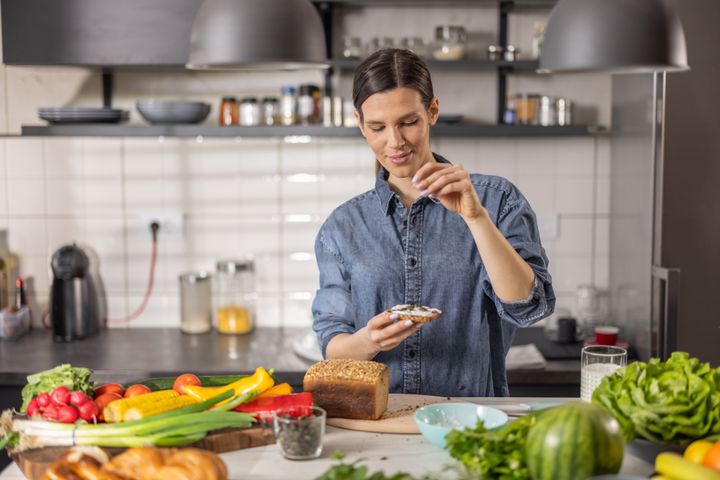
[330, 11]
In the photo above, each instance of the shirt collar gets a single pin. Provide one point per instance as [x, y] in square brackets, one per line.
[385, 193]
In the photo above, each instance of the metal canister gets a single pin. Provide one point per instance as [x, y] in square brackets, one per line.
[563, 109]
[547, 111]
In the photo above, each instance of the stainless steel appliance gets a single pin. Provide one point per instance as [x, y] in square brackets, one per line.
[76, 295]
[664, 217]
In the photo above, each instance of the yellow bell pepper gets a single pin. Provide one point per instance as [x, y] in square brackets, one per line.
[279, 389]
[259, 381]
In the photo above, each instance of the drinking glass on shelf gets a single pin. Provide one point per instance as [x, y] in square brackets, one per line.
[597, 362]
[415, 45]
[378, 43]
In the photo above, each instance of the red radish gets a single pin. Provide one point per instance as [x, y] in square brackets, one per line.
[32, 407]
[51, 412]
[67, 414]
[88, 411]
[43, 399]
[60, 396]
[78, 398]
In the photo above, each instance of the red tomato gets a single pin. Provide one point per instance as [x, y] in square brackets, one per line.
[183, 380]
[135, 390]
[712, 457]
[103, 400]
[109, 388]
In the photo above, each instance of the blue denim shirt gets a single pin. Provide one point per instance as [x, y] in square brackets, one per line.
[372, 254]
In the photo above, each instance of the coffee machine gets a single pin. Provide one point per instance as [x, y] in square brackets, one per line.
[77, 307]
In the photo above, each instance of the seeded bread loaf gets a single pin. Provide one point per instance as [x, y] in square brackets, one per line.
[349, 388]
[416, 313]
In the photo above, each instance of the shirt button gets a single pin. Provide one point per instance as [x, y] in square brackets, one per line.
[413, 262]
[413, 221]
[411, 354]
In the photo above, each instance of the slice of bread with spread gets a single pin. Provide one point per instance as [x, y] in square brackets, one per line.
[416, 313]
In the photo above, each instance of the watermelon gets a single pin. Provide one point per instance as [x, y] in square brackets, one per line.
[574, 441]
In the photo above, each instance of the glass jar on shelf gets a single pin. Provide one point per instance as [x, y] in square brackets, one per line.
[450, 42]
[352, 48]
[228, 111]
[415, 45]
[288, 106]
[235, 296]
[195, 302]
[249, 112]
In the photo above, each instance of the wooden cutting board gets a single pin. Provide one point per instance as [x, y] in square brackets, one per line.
[399, 416]
[33, 463]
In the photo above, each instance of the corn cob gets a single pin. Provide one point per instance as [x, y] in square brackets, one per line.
[158, 402]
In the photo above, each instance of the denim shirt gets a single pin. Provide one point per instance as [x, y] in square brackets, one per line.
[373, 254]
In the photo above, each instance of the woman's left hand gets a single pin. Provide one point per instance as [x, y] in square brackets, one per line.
[451, 186]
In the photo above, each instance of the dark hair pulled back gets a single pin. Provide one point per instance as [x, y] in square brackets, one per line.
[388, 69]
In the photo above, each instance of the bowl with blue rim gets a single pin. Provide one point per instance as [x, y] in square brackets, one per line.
[437, 420]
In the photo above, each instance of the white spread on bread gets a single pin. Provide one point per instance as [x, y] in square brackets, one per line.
[416, 310]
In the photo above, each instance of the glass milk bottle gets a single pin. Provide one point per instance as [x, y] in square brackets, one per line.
[235, 296]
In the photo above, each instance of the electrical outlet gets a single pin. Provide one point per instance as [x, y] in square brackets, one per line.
[172, 222]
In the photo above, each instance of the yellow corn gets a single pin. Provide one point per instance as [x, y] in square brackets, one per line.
[115, 411]
[149, 409]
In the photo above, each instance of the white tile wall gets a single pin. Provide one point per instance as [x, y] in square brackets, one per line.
[266, 199]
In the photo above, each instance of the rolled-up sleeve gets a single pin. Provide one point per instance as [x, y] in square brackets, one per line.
[332, 308]
[518, 224]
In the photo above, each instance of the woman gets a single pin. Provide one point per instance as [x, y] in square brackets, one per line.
[429, 234]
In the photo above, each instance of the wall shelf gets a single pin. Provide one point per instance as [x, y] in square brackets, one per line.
[474, 64]
[462, 130]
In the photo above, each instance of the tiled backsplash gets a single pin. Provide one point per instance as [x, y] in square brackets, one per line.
[266, 198]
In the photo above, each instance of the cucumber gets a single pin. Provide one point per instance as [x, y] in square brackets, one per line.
[166, 383]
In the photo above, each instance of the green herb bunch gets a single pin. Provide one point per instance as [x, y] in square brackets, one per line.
[498, 454]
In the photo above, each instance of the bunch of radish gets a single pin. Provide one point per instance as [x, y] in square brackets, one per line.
[63, 406]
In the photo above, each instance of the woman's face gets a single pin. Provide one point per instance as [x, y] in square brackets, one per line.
[396, 125]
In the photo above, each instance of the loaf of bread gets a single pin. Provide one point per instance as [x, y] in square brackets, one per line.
[349, 388]
[416, 313]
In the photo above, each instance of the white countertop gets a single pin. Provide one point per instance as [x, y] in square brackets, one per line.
[391, 453]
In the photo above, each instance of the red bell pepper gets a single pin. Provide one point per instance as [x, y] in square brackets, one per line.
[264, 407]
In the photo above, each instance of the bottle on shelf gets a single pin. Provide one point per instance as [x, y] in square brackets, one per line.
[510, 115]
[537, 39]
[288, 106]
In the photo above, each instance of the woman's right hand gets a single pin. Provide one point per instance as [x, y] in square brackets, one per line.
[384, 333]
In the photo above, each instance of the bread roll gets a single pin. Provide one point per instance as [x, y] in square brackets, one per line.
[349, 388]
[416, 313]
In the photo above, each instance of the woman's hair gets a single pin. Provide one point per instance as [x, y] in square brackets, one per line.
[388, 69]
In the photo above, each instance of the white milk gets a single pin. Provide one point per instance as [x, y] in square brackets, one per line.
[591, 376]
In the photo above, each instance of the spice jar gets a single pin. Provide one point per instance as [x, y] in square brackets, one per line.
[228, 111]
[235, 296]
[288, 105]
[270, 110]
[299, 431]
[527, 108]
[249, 112]
[195, 302]
[449, 42]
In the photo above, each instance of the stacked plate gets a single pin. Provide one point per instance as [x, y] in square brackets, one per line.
[82, 115]
[164, 113]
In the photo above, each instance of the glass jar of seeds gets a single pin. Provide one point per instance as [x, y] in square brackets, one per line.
[299, 431]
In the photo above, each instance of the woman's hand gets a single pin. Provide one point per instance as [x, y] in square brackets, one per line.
[449, 184]
[384, 333]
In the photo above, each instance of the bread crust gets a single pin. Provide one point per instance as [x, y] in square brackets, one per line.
[349, 388]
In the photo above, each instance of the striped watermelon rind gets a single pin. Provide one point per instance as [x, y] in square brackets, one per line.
[574, 441]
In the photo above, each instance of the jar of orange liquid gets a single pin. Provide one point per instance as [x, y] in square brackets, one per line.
[235, 296]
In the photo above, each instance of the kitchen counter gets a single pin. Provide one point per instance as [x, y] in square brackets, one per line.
[125, 355]
[388, 452]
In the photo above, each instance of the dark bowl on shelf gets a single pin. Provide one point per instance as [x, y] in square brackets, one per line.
[170, 113]
[647, 450]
